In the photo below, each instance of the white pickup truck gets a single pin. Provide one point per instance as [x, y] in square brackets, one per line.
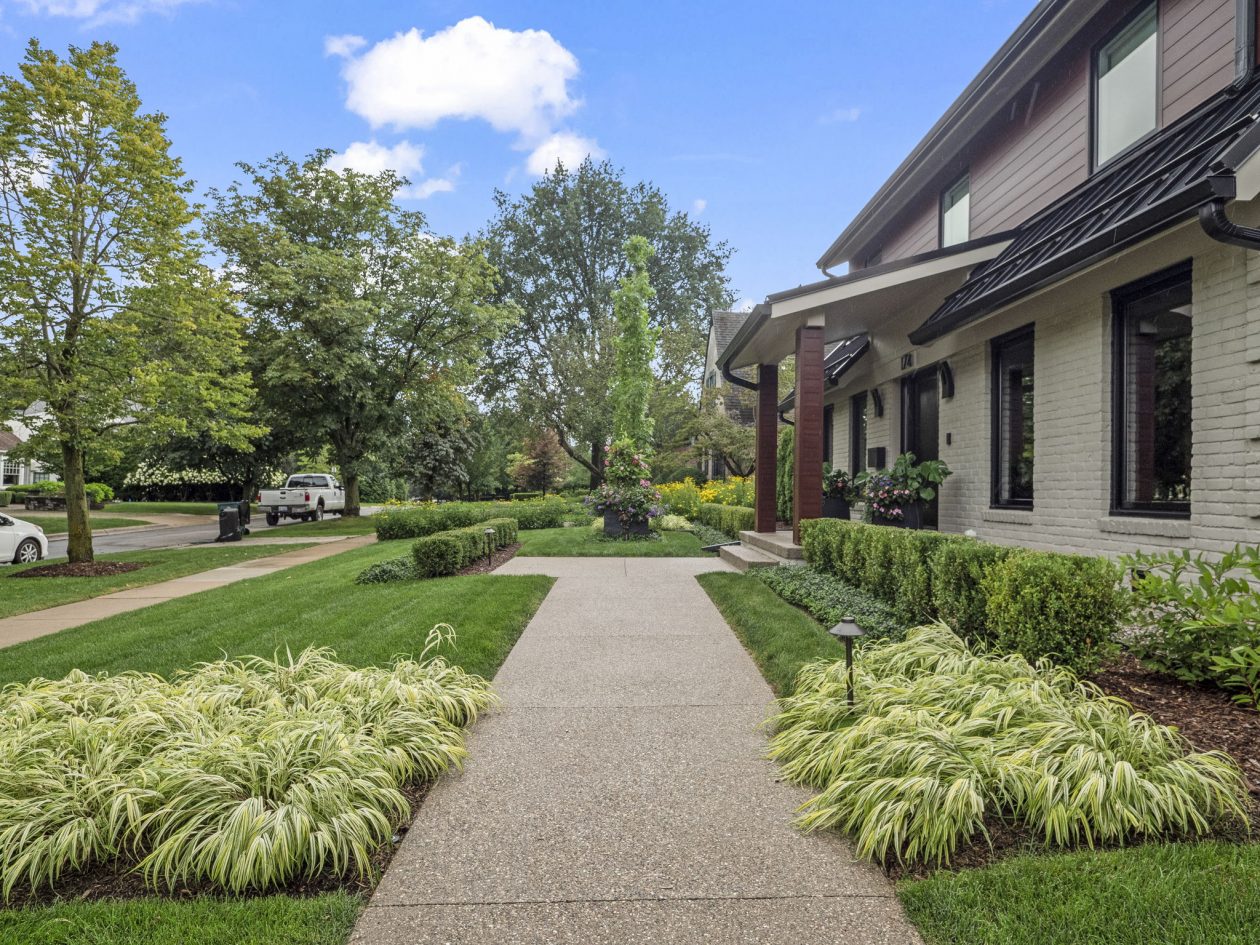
[306, 496]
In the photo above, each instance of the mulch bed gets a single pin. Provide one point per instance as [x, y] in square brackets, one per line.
[82, 569]
[1205, 715]
[117, 880]
[499, 558]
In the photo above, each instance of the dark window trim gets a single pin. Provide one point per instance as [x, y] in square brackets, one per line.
[1129, 18]
[857, 455]
[1120, 297]
[940, 210]
[829, 431]
[1024, 332]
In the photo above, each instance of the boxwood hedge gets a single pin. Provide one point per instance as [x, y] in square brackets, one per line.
[419, 521]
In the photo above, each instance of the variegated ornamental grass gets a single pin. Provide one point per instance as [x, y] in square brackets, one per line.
[942, 741]
[241, 774]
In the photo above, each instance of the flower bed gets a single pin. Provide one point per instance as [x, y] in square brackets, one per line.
[829, 600]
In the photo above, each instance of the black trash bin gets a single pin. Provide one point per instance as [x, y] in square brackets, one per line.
[229, 521]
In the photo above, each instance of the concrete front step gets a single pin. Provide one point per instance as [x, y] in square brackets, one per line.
[743, 557]
[778, 545]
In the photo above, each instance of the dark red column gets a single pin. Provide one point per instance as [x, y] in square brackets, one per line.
[807, 474]
[767, 446]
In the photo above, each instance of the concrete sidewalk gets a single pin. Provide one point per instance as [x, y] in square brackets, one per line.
[39, 623]
[621, 796]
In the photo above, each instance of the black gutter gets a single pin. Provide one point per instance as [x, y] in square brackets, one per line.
[752, 324]
[1244, 41]
[783, 419]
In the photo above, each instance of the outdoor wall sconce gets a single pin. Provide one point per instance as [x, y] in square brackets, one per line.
[489, 533]
[877, 402]
[848, 631]
[947, 379]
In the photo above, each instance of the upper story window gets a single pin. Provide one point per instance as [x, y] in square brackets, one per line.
[956, 213]
[1152, 409]
[1126, 93]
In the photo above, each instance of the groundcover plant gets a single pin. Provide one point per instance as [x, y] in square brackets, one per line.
[239, 774]
[942, 742]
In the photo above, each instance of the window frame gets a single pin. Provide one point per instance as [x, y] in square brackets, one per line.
[1128, 20]
[964, 177]
[1120, 297]
[858, 432]
[1025, 333]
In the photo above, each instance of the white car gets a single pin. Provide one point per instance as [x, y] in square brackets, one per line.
[21, 542]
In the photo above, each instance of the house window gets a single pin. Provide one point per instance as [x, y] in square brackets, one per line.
[1151, 411]
[829, 419]
[10, 472]
[956, 213]
[857, 433]
[711, 380]
[42, 477]
[1012, 474]
[1126, 86]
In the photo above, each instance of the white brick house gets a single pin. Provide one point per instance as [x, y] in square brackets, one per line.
[1059, 300]
[15, 471]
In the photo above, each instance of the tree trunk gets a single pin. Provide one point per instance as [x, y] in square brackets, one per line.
[597, 465]
[350, 482]
[79, 546]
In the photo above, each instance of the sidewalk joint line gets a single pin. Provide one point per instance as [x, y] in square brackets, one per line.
[616, 899]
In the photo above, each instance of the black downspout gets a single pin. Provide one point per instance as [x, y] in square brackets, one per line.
[783, 419]
[1220, 227]
[736, 379]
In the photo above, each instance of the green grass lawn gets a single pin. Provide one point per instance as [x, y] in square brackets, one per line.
[1200, 893]
[316, 603]
[180, 508]
[54, 523]
[333, 525]
[270, 920]
[585, 543]
[780, 637]
[23, 595]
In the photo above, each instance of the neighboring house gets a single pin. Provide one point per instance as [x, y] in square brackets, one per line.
[738, 406]
[1056, 293]
[14, 471]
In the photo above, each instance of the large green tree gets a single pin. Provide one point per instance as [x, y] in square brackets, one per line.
[357, 309]
[559, 250]
[106, 314]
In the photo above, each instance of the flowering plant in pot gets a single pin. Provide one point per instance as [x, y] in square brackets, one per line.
[627, 499]
[896, 496]
[838, 489]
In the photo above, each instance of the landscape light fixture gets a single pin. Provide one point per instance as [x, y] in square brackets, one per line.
[489, 533]
[848, 631]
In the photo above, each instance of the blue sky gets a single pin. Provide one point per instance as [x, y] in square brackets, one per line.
[774, 122]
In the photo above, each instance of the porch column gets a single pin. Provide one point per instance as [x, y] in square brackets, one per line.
[807, 473]
[767, 446]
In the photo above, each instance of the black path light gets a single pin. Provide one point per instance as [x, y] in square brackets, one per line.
[489, 533]
[848, 631]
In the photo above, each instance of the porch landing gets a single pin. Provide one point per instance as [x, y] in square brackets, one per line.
[763, 550]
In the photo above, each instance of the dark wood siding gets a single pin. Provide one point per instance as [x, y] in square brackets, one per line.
[1037, 148]
[1198, 52]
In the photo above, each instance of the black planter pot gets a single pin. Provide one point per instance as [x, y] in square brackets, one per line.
[835, 506]
[913, 517]
[614, 529]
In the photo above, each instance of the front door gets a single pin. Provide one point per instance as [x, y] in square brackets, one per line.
[920, 425]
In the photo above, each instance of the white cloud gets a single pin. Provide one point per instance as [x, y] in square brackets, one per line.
[368, 157]
[567, 147]
[516, 81]
[343, 46]
[699, 205]
[103, 11]
[404, 158]
[841, 115]
[745, 305]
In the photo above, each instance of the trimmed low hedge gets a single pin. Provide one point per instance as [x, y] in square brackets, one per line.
[383, 572]
[1038, 604]
[728, 519]
[447, 552]
[6, 499]
[522, 496]
[393, 524]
